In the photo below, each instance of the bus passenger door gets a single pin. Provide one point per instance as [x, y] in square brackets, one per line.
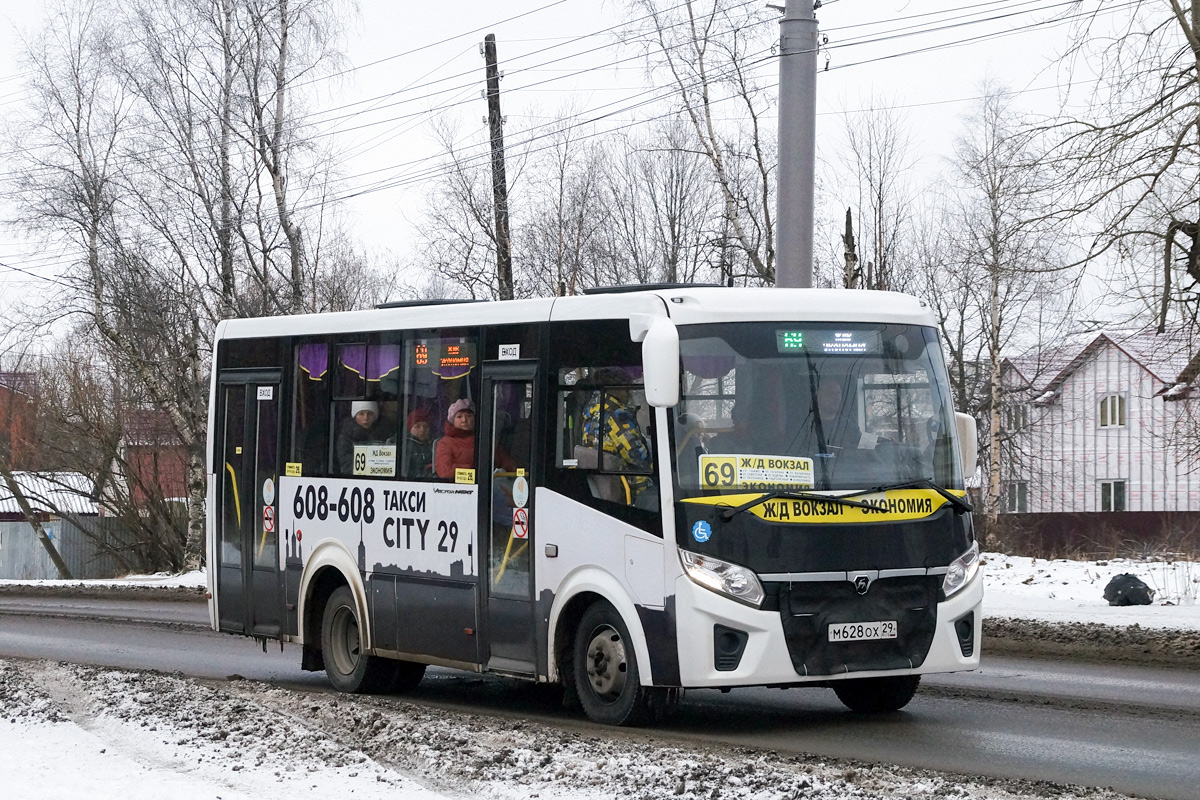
[507, 430]
[250, 599]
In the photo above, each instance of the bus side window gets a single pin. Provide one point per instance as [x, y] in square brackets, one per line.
[440, 369]
[310, 422]
[365, 412]
[603, 431]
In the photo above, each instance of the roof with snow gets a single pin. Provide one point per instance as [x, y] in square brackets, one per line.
[1173, 357]
[51, 492]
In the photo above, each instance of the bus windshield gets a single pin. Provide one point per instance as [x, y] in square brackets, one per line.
[804, 407]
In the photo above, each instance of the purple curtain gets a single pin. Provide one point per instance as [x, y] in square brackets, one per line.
[382, 360]
[313, 359]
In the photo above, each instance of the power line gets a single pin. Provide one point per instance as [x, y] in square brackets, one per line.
[313, 118]
[530, 138]
[979, 38]
[574, 121]
[46, 278]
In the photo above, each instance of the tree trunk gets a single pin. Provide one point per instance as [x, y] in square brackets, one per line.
[993, 492]
[851, 273]
[196, 487]
[225, 232]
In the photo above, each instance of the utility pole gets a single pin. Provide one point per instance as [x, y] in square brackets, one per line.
[797, 144]
[495, 122]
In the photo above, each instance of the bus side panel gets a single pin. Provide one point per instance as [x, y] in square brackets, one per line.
[595, 554]
[381, 589]
[430, 617]
[423, 617]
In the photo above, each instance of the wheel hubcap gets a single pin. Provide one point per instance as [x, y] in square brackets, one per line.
[606, 664]
[347, 647]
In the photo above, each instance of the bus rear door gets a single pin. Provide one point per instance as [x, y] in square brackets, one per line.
[249, 594]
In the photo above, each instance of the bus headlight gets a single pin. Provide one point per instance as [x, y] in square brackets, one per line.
[724, 578]
[962, 570]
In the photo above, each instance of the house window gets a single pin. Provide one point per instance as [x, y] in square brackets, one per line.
[1016, 417]
[1016, 497]
[1112, 495]
[1112, 411]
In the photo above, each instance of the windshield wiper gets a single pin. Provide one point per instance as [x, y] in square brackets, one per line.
[960, 506]
[730, 513]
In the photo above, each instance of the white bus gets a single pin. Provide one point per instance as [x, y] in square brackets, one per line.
[629, 493]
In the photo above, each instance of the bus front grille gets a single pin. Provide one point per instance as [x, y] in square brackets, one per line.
[807, 610]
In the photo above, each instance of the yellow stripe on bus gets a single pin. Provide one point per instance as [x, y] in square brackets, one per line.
[237, 503]
[893, 506]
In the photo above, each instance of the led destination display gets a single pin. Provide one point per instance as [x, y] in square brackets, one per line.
[828, 342]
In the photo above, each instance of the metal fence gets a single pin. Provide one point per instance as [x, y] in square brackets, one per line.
[1095, 534]
[84, 544]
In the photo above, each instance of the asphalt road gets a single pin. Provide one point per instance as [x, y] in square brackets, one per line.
[1135, 730]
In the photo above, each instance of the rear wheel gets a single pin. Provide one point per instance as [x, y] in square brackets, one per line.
[606, 671]
[877, 695]
[348, 667]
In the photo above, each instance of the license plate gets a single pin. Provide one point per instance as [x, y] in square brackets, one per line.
[862, 631]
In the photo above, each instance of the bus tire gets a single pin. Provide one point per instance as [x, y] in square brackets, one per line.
[877, 695]
[606, 671]
[348, 668]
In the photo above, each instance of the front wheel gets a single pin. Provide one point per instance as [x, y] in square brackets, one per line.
[877, 695]
[348, 667]
[606, 671]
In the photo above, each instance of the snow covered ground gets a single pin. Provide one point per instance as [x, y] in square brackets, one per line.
[68, 731]
[1073, 591]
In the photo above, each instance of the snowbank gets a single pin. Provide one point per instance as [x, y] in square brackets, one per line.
[1073, 591]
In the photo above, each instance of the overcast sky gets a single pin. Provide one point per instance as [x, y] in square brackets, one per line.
[408, 58]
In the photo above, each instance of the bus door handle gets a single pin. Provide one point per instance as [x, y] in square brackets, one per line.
[551, 551]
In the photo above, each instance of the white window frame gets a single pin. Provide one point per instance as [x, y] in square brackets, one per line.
[1112, 411]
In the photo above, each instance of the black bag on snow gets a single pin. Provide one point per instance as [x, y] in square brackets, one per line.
[1128, 590]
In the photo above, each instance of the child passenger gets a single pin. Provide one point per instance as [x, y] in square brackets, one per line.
[418, 445]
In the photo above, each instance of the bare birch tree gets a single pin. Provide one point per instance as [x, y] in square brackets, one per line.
[1011, 260]
[708, 51]
[1127, 153]
[563, 214]
[164, 148]
[878, 162]
[458, 227]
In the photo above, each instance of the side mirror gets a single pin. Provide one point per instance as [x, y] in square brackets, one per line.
[660, 363]
[968, 442]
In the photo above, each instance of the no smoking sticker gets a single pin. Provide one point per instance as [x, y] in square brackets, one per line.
[520, 523]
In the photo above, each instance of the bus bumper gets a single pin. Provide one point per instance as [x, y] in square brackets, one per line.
[704, 617]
